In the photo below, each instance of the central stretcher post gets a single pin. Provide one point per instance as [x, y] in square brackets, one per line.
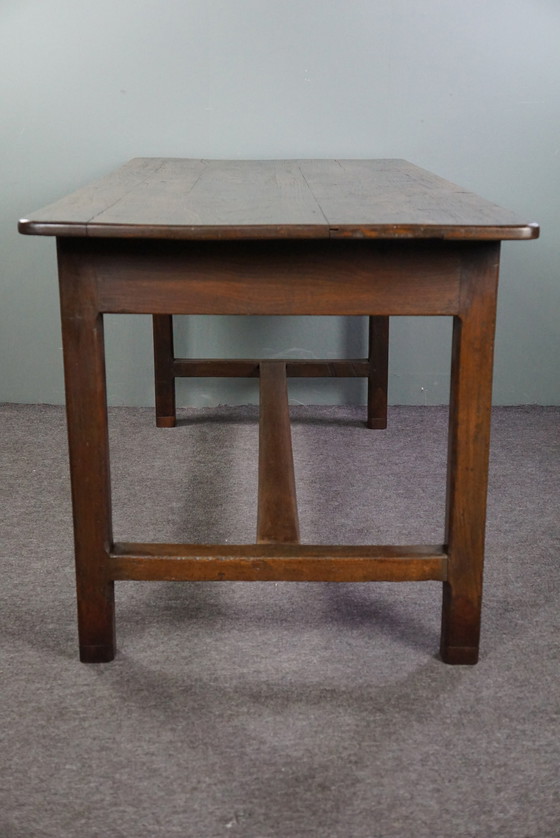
[277, 518]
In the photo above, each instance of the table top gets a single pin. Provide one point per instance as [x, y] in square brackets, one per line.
[175, 198]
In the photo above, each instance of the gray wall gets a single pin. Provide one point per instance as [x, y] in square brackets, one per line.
[469, 90]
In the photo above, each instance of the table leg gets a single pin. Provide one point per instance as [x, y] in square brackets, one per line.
[469, 438]
[378, 359]
[163, 370]
[86, 406]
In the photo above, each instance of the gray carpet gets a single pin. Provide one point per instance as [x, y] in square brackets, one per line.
[280, 710]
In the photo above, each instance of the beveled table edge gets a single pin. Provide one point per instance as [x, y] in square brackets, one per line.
[456, 232]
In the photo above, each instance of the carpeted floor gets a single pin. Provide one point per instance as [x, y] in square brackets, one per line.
[278, 710]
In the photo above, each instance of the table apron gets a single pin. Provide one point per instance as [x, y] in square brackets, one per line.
[310, 278]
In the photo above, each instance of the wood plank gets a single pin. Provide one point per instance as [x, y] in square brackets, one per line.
[249, 368]
[251, 199]
[72, 214]
[397, 199]
[320, 277]
[277, 516]
[224, 194]
[277, 562]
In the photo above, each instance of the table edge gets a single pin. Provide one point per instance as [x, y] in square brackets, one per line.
[461, 232]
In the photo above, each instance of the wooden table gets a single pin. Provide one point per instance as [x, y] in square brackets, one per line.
[308, 237]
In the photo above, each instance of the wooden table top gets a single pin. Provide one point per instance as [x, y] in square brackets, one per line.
[175, 198]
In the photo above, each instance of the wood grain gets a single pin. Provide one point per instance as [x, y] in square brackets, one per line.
[167, 237]
[277, 516]
[316, 277]
[84, 372]
[469, 440]
[278, 562]
[250, 199]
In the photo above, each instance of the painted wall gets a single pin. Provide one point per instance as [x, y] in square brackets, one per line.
[469, 90]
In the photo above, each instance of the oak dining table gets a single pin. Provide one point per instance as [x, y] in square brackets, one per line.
[375, 238]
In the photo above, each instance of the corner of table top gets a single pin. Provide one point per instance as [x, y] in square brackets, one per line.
[533, 230]
[24, 225]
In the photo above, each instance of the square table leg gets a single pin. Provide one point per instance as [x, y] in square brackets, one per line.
[378, 359]
[86, 407]
[164, 356]
[469, 439]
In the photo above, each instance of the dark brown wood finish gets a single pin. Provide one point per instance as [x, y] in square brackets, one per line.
[164, 371]
[277, 517]
[249, 368]
[84, 370]
[378, 372]
[231, 199]
[277, 562]
[284, 277]
[168, 368]
[469, 440]
[367, 238]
